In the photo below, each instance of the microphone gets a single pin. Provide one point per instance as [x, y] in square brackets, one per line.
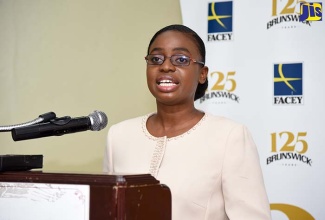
[95, 121]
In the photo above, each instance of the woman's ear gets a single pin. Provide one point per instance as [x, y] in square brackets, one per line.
[203, 74]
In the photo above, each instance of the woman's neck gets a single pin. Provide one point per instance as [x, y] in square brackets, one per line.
[173, 121]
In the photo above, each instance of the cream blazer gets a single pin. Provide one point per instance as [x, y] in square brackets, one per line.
[213, 170]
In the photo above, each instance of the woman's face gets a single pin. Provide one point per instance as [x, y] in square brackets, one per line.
[171, 84]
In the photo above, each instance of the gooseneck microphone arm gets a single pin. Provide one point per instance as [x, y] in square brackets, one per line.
[42, 118]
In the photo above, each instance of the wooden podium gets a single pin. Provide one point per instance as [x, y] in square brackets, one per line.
[111, 197]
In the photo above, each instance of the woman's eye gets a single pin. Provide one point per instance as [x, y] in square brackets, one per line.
[156, 59]
[182, 60]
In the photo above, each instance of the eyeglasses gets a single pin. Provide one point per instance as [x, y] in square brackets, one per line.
[176, 60]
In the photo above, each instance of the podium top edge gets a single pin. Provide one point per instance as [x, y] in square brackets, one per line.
[77, 178]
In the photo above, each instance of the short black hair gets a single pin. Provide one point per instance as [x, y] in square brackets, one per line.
[200, 90]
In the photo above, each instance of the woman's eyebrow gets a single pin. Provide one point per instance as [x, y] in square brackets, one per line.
[178, 49]
[183, 49]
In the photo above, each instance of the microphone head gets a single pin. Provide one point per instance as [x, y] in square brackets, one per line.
[98, 120]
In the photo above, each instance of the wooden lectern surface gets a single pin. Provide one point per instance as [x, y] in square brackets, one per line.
[112, 197]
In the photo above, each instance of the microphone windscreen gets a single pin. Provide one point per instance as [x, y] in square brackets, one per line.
[98, 120]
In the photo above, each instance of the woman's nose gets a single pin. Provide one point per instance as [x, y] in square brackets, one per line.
[167, 66]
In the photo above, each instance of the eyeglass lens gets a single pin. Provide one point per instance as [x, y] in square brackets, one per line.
[177, 60]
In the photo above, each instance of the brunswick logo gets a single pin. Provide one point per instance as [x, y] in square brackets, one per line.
[289, 148]
[223, 86]
[292, 212]
[288, 84]
[310, 11]
[285, 13]
[220, 19]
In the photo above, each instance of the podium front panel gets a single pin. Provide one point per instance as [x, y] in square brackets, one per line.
[87, 196]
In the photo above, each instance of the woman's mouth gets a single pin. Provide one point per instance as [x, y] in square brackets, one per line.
[167, 85]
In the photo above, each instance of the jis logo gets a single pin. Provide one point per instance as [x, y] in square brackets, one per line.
[310, 11]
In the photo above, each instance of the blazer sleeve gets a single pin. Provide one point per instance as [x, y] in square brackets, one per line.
[242, 180]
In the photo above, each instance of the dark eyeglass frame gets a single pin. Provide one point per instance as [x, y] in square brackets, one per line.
[172, 59]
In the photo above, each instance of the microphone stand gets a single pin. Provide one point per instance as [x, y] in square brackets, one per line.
[42, 118]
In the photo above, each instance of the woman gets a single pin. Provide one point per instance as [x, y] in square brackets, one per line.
[210, 163]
